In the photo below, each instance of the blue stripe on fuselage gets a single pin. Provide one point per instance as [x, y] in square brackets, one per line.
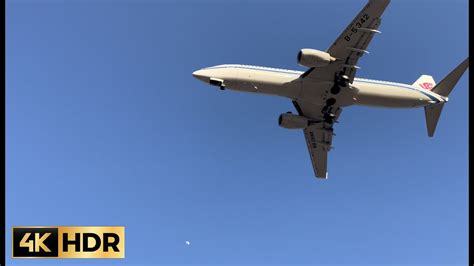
[405, 86]
[286, 71]
[295, 72]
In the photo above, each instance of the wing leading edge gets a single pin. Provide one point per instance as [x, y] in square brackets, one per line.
[351, 44]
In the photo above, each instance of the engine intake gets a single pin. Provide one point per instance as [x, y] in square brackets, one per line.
[314, 58]
[292, 121]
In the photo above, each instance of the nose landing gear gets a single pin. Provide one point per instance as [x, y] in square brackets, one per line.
[217, 82]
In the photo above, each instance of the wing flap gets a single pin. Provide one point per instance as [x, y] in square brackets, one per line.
[319, 142]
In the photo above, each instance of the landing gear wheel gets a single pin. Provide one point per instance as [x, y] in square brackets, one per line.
[330, 101]
[329, 118]
[335, 89]
[343, 81]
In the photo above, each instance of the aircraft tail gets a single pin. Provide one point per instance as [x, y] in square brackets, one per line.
[444, 88]
[432, 114]
[425, 82]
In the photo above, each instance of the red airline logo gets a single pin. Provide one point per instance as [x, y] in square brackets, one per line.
[426, 85]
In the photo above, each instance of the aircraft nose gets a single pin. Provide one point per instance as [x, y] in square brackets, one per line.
[201, 75]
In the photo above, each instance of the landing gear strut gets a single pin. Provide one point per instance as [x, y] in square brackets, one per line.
[328, 116]
[217, 82]
[339, 81]
[343, 81]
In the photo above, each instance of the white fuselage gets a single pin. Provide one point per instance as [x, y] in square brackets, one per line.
[288, 83]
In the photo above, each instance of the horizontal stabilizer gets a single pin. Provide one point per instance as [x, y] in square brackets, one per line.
[432, 114]
[445, 87]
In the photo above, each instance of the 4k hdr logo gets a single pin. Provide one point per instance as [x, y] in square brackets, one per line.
[68, 242]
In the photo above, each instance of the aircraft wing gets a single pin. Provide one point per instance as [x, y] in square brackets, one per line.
[351, 44]
[318, 141]
[318, 135]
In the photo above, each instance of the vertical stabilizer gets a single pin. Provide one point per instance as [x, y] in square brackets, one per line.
[425, 82]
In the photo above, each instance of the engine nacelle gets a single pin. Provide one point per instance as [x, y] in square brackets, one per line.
[292, 121]
[314, 58]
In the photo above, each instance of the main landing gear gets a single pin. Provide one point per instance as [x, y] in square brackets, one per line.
[339, 81]
[328, 115]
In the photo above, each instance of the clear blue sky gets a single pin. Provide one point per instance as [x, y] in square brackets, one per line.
[107, 126]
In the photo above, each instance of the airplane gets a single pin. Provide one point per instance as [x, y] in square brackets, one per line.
[329, 85]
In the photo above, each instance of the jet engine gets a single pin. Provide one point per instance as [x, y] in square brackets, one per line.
[289, 120]
[314, 58]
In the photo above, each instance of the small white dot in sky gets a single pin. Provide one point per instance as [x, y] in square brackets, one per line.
[188, 243]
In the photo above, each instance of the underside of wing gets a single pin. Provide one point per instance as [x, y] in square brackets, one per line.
[351, 44]
[318, 134]
[340, 65]
[318, 141]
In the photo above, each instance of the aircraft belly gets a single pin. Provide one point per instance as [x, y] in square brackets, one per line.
[388, 96]
[314, 92]
[318, 92]
[267, 83]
